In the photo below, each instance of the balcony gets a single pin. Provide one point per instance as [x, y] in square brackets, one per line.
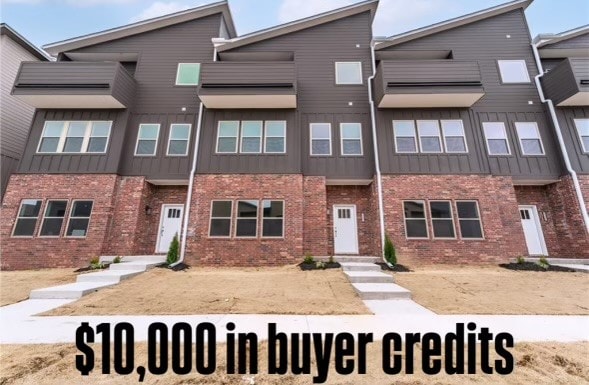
[567, 84]
[248, 85]
[74, 85]
[427, 84]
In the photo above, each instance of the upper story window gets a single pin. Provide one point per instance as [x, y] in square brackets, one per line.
[513, 71]
[529, 138]
[348, 73]
[320, 139]
[251, 137]
[275, 137]
[454, 138]
[227, 134]
[496, 137]
[582, 126]
[188, 74]
[405, 138]
[178, 140]
[429, 136]
[74, 137]
[351, 137]
[147, 139]
[256, 137]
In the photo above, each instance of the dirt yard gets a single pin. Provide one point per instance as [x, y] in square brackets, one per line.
[278, 290]
[495, 290]
[537, 364]
[15, 286]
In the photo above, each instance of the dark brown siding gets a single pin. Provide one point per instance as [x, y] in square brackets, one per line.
[560, 83]
[566, 116]
[581, 41]
[9, 165]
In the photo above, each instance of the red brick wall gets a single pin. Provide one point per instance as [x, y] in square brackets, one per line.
[30, 253]
[502, 229]
[245, 252]
[315, 217]
[584, 182]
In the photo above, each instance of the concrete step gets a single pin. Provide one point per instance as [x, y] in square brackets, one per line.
[134, 266]
[134, 258]
[356, 258]
[372, 291]
[359, 266]
[114, 276]
[369, 277]
[69, 291]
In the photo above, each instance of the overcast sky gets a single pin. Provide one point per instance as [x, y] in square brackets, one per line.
[47, 21]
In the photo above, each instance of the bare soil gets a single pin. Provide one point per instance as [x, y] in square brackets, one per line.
[495, 290]
[277, 290]
[15, 286]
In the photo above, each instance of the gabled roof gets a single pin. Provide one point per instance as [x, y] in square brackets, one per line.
[5, 29]
[549, 38]
[145, 26]
[452, 23]
[298, 25]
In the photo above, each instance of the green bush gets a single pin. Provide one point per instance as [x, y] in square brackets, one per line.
[543, 263]
[117, 260]
[520, 260]
[320, 265]
[308, 259]
[389, 251]
[331, 259]
[173, 250]
[95, 264]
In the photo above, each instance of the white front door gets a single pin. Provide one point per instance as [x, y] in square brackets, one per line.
[170, 225]
[345, 233]
[532, 230]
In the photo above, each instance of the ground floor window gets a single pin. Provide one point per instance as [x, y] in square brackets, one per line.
[415, 220]
[469, 219]
[79, 218]
[53, 218]
[248, 216]
[273, 222]
[27, 217]
[220, 225]
[442, 221]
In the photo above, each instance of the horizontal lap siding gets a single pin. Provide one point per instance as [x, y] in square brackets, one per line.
[581, 71]
[581, 41]
[430, 70]
[248, 72]
[560, 83]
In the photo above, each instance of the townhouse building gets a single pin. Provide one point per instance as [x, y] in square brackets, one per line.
[309, 137]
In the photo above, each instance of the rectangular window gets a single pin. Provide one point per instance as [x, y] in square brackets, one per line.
[51, 137]
[26, 221]
[529, 138]
[220, 218]
[247, 219]
[348, 73]
[429, 136]
[405, 138]
[454, 138]
[98, 140]
[415, 219]
[275, 137]
[469, 220]
[188, 74]
[351, 137]
[513, 71]
[74, 137]
[442, 220]
[53, 218]
[79, 219]
[273, 218]
[582, 126]
[227, 134]
[147, 139]
[320, 139]
[251, 137]
[178, 140]
[496, 137]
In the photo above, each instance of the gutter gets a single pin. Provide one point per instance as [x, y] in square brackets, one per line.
[376, 156]
[571, 171]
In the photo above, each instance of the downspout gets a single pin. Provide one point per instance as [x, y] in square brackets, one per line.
[191, 180]
[376, 157]
[563, 148]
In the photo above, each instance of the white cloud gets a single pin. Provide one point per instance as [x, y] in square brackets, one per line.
[160, 8]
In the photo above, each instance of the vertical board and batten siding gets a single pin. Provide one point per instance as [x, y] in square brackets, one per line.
[566, 117]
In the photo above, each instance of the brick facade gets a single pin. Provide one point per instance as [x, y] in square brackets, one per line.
[315, 217]
[503, 234]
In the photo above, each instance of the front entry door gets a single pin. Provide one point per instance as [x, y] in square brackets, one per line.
[170, 225]
[345, 230]
[532, 230]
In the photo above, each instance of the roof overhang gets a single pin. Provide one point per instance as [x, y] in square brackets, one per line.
[145, 26]
[430, 100]
[548, 39]
[5, 29]
[249, 101]
[71, 101]
[578, 99]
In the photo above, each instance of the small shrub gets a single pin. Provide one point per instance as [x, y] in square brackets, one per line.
[95, 264]
[520, 260]
[320, 265]
[389, 251]
[331, 259]
[117, 260]
[173, 250]
[95, 261]
[308, 258]
[543, 263]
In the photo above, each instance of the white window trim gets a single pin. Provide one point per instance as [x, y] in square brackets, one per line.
[514, 61]
[358, 63]
[432, 219]
[405, 219]
[45, 217]
[237, 218]
[230, 217]
[480, 220]
[311, 140]
[414, 138]
[439, 136]
[539, 139]
[71, 210]
[283, 218]
[585, 150]
[270, 136]
[241, 136]
[487, 140]
[187, 139]
[341, 136]
[18, 216]
[178, 74]
[156, 139]
[219, 136]
[86, 140]
[453, 136]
